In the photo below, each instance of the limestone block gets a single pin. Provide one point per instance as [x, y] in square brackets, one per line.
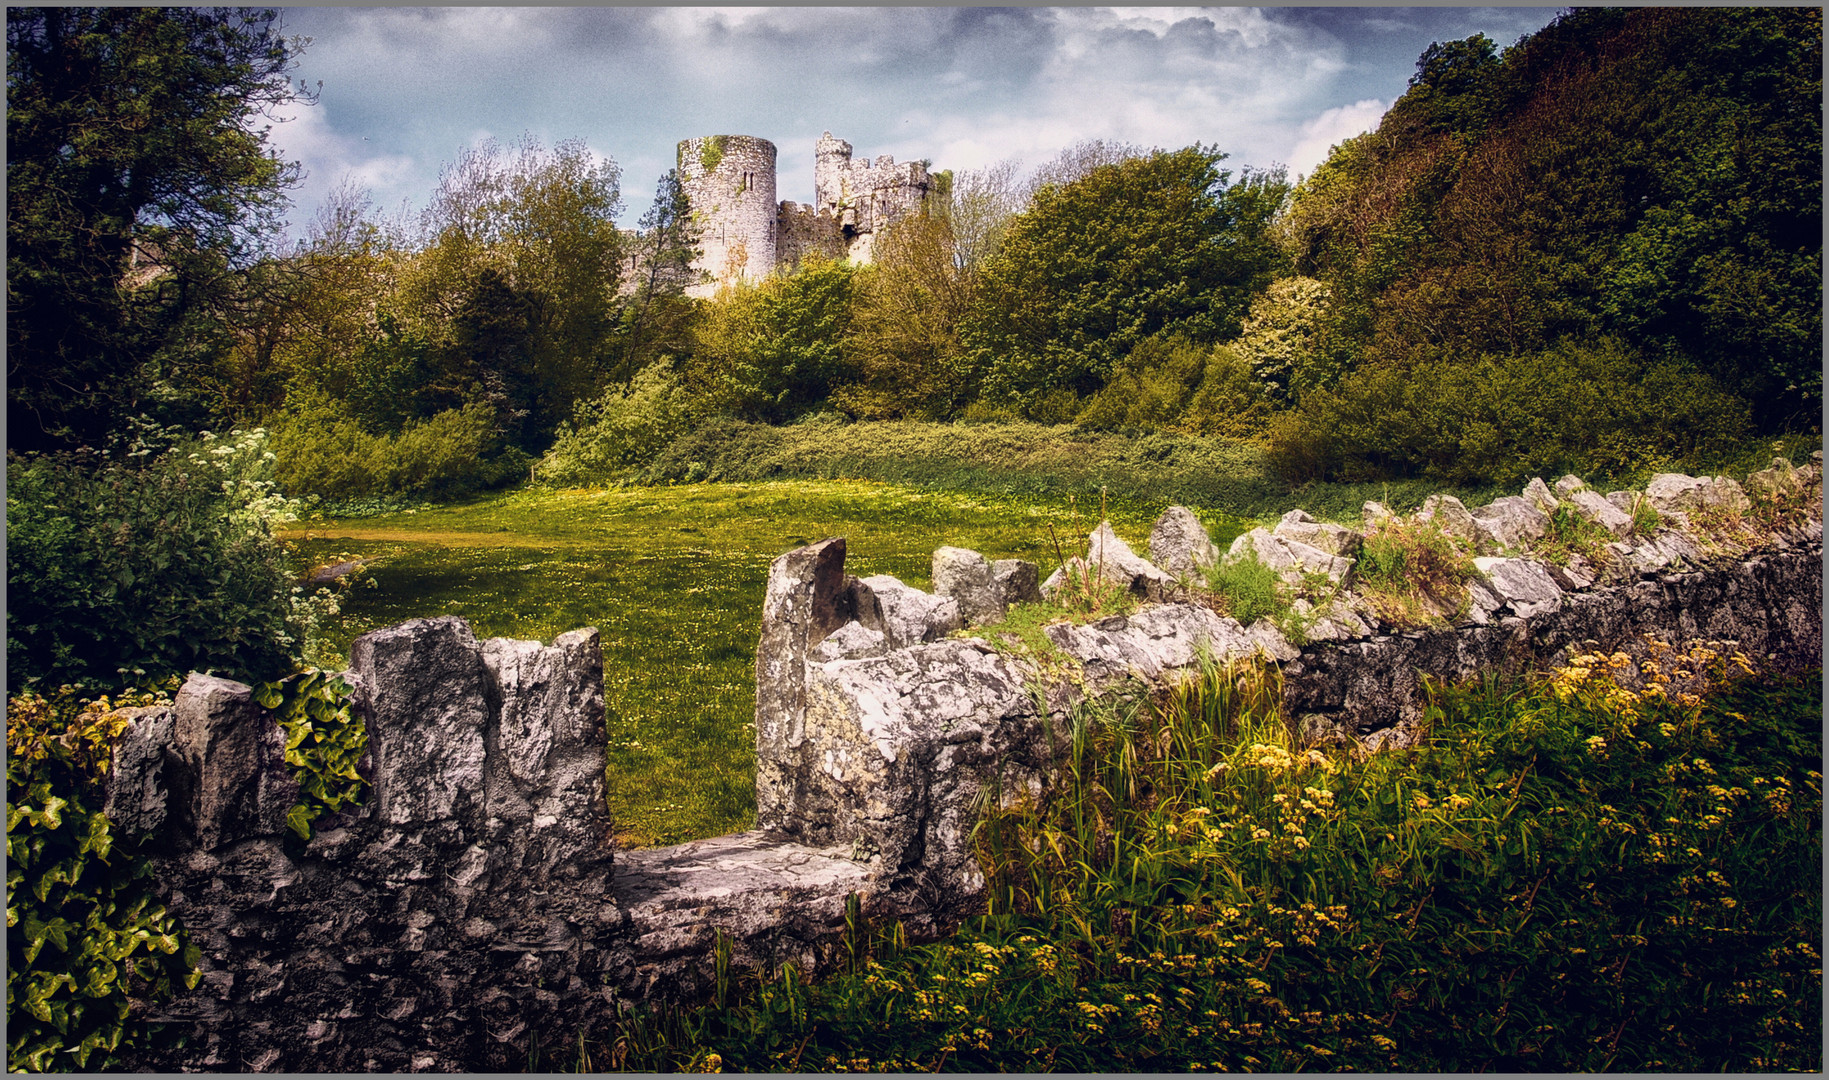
[808, 596]
[1179, 543]
[234, 758]
[1117, 562]
[1568, 485]
[1525, 586]
[424, 691]
[906, 615]
[1577, 575]
[1334, 621]
[1333, 539]
[1601, 512]
[1018, 580]
[140, 797]
[1510, 521]
[1781, 479]
[1537, 493]
[1290, 559]
[851, 641]
[1453, 518]
[545, 793]
[898, 749]
[968, 578]
[1675, 491]
[1376, 514]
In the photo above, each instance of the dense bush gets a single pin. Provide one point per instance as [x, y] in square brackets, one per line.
[322, 451]
[774, 350]
[619, 431]
[1096, 266]
[1593, 410]
[117, 573]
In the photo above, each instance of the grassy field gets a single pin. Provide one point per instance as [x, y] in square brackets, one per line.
[673, 578]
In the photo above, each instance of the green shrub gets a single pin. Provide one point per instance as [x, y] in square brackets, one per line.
[619, 431]
[320, 450]
[1251, 590]
[1596, 410]
[120, 573]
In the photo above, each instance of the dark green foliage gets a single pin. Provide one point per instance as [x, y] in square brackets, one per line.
[324, 742]
[1596, 410]
[128, 128]
[1652, 177]
[85, 932]
[117, 573]
[1097, 265]
[1549, 884]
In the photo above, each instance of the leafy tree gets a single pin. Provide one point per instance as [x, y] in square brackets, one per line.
[1278, 342]
[138, 179]
[977, 206]
[773, 350]
[667, 242]
[1096, 266]
[1650, 176]
[521, 259]
[904, 326]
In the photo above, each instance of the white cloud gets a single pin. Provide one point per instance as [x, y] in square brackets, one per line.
[1335, 125]
[305, 134]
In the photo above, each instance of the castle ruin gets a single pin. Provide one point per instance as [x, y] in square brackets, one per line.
[744, 234]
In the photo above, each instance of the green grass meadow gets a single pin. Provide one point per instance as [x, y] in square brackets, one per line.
[672, 577]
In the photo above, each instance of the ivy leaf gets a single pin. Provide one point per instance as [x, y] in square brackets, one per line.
[298, 819]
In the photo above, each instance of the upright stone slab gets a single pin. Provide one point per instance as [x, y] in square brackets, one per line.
[967, 577]
[808, 597]
[1179, 543]
[424, 691]
[1019, 580]
[234, 756]
[545, 781]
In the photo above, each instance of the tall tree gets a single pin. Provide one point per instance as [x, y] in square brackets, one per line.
[138, 172]
[665, 246]
[1093, 267]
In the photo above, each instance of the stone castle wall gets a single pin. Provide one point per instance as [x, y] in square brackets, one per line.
[730, 181]
[745, 234]
[473, 905]
[864, 195]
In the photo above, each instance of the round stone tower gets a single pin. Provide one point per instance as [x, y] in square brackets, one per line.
[730, 181]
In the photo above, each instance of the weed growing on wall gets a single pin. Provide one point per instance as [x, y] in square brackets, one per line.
[1413, 573]
[325, 741]
[1571, 534]
[1573, 875]
[1250, 589]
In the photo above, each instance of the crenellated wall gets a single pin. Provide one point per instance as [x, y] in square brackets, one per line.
[473, 906]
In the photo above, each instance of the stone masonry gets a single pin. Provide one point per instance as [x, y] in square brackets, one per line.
[473, 907]
[745, 235]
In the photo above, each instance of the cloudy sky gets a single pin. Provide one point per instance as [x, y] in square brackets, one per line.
[405, 89]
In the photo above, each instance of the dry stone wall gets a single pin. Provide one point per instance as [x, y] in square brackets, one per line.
[473, 906]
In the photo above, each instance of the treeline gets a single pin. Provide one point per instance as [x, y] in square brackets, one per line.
[1598, 249]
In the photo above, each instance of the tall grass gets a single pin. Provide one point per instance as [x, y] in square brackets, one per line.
[1568, 876]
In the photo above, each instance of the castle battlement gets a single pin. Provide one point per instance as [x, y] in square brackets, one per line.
[745, 234]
